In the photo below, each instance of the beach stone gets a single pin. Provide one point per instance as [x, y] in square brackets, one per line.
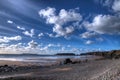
[5, 65]
[75, 62]
[67, 61]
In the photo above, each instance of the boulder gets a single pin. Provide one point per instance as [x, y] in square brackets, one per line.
[67, 61]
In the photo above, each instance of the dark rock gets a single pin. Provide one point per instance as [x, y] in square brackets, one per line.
[5, 65]
[67, 61]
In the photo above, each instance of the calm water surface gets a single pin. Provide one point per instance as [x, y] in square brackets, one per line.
[41, 59]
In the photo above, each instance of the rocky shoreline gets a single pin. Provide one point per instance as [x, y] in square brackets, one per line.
[114, 54]
[99, 69]
[15, 68]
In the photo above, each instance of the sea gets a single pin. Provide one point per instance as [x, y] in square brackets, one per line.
[41, 59]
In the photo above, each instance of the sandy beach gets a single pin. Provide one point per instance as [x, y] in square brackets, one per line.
[91, 70]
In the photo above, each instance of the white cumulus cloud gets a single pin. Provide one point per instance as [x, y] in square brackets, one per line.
[104, 24]
[116, 6]
[50, 35]
[40, 35]
[10, 21]
[5, 39]
[59, 20]
[62, 31]
[21, 28]
[32, 44]
[89, 42]
[88, 35]
[29, 33]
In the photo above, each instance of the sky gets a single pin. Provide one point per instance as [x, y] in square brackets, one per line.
[54, 26]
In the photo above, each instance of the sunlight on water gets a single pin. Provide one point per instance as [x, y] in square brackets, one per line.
[10, 59]
[41, 59]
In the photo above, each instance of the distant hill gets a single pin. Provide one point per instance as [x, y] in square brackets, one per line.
[107, 54]
[24, 54]
[65, 54]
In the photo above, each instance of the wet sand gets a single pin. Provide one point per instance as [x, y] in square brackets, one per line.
[19, 63]
[91, 70]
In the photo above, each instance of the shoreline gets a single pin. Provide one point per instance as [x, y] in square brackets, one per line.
[90, 70]
[49, 63]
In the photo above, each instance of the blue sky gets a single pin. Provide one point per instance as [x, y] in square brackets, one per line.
[51, 26]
